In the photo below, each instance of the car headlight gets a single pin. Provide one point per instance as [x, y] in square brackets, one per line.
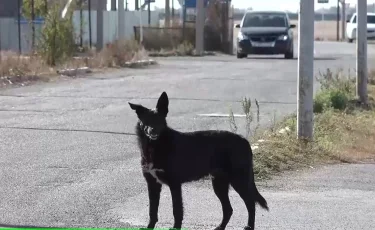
[241, 36]
[283, 37]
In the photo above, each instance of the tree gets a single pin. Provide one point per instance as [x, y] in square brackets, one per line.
[57, 37]
[32, 9]
[40, 7]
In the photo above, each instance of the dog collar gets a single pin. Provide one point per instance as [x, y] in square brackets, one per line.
[144, 127]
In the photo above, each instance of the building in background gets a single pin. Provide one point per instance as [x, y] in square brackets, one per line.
[95, 4]
[8, 8]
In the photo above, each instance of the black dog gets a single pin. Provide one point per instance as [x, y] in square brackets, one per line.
[171, 157]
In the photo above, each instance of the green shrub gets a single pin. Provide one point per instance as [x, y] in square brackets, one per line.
[336, 89]
[339, 99]
[338, 80]
[57, 37]
[333, 98]
[321, 102]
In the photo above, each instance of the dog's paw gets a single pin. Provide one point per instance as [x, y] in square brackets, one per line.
[219, 228]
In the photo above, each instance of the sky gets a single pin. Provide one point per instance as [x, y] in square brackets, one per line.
[291, 5]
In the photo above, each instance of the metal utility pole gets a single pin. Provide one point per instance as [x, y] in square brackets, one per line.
[199, 27]
[32, 26]
[140, 25]
[0, 46]
[338, 21]
[167, 21]
[19, 26]
[362, 50]
[343, 19]
[99, 26]
[121, 20]
[81, 23]
[90, 33]
[113, 5]
[149, 12]
[305, 70]
[172, 10]
[183, 20]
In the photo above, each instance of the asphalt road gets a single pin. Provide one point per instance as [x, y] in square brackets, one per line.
[68, 154]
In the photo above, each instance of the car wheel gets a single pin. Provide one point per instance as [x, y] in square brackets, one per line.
[239, 55]
[289, 54]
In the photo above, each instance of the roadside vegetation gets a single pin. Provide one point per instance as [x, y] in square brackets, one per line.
[344, 130]
[178, 39]
[54, 48]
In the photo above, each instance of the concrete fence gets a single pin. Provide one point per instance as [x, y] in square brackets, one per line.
[9, 36]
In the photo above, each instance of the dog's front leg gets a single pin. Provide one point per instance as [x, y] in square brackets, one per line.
[154, 189]
[178, 210]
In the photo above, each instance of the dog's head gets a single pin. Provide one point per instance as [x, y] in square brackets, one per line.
[153, 121]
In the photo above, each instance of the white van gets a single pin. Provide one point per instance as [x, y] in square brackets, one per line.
[351, 27]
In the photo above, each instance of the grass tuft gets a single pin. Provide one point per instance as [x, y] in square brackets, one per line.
[118, 53]
[16, 69]
[343, 131]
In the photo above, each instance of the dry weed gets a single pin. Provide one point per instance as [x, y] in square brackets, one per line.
[371, 77]
[16, 69]
[156, 39]
[339, 135]
[117, 54]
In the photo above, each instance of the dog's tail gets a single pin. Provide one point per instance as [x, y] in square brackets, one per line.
[260, 199]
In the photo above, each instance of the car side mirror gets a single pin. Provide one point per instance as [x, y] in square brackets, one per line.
[292, 26]
[237, 26]
[348, 20]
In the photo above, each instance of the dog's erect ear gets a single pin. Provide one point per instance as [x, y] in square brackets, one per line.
[139, 109]
[134, 106]
[162, 105]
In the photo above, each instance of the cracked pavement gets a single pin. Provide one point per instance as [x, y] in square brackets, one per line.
[69, 157]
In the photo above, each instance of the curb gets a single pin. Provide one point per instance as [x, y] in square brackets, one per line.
[140, 63]
[74, 72]
[87, 70]
[177, 54]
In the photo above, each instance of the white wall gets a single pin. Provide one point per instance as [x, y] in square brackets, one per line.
[9, 35]
[9, 28]
[110, 24]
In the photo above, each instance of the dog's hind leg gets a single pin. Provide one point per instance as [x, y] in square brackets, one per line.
[154, 189]
[220, 184]
[178, 209]
[242, 186]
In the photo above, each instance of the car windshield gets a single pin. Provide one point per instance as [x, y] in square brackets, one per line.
[264, 20]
